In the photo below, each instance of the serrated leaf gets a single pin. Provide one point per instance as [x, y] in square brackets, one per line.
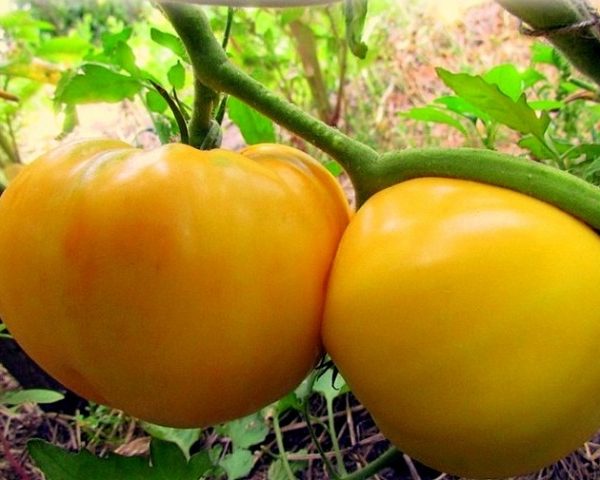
[18, 397]
[355, 13]
[330, 389]
[167, 462]
[435, 115]
[247, 431]
[184, 438]
[254, 126]
[97, 84]
[237, 464]
[169, 41]
[517, 115]
[176, 76]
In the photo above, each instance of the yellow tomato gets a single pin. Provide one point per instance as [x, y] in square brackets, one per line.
[184, 287]
[466, 318]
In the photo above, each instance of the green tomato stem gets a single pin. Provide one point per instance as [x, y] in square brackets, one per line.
[334, 440]
[281, 447]
[205, 100]
[386, 459]
[369, 171]
[561, 22]
[562, 189]
[213, 68]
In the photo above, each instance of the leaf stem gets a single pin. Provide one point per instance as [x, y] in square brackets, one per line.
[282, 453]
[386, 459]
[562, 189]
[334, 440]
[174, 107]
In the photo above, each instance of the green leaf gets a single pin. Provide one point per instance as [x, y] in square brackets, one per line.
[547, 54]
[517, 115]
[334, 168]
[111, 40]
[19, 397]
[255, 127]
[184, 438]
[462, 107]
[330, 389]
[507, 78]
[169, 41]
[435, 115]
[295, 400]
[167, 462]
[155, 102]
[277, 470]
[542, 53]
[61, 48]
[355, 13]
[546, 104]
[176, 76]
[70, 121]
[531, 76]
[538, 149]
[247, 431]
[288, 15]
[97, 84]
[591, 151]
[237, 464]
[124, 57]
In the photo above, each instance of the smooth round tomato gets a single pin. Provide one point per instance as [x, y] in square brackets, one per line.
[184, 287]
[466, 318]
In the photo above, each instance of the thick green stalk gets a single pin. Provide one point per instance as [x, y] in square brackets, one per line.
[205, 101]
[386, 459]
[213, 68]
[563, 22]
[568, 192]
[369, 171]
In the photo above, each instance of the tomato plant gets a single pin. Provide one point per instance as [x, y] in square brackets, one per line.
[190, 287]
[170, 283]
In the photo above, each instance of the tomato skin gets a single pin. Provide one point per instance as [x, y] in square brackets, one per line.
[184, 287]
[466, 318]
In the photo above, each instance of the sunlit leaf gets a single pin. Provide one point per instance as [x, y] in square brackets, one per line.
[167, 462]
[517, 115]
[355, 12]
[18, 397]
[97, 83]
[254, 126]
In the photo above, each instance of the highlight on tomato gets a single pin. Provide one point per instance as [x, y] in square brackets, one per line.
[184, 287]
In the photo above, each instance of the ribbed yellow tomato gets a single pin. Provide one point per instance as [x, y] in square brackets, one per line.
[184, 287]
[466, 318]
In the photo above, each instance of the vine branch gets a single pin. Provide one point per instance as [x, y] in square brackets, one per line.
[573, 26]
